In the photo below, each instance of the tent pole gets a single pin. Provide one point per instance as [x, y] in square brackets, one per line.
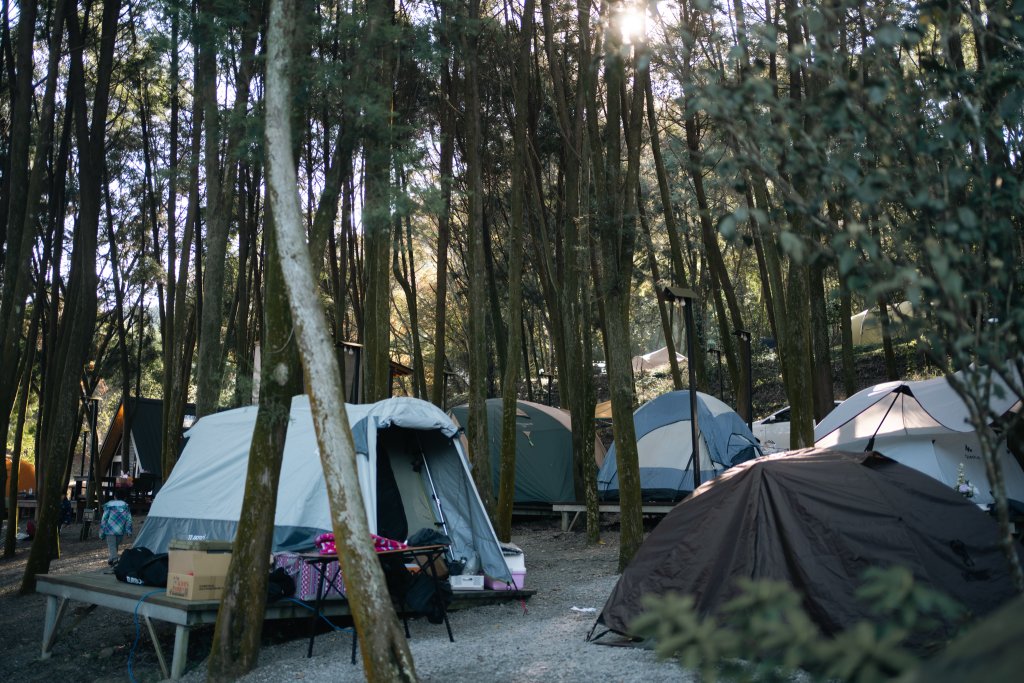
[896, 394]
[433, 494]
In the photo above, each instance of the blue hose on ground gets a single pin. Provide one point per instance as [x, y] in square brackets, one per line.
[138, 627]
[138, 631]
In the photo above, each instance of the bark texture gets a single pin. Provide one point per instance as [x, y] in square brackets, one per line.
[385, 652]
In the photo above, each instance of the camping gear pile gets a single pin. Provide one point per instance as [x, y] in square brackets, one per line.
[412, 472]
[665, 447]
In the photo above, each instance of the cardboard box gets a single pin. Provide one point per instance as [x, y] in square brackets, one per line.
[440, 565]
[196, 570]
[189, 587]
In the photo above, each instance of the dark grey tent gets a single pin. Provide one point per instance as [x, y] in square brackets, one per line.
[544, 460]
[816, 519]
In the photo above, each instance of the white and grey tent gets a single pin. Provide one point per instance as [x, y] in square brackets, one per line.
[412, 472]
[923, 425]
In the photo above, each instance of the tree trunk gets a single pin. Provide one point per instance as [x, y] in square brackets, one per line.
[719, 274]
[63, 394]
[236, 639]
[220, 194]
[796, 349]
[820, 347]
[404, 267]
[25, 188]
[668, 212]
[377, 206]
[179, 328]
[449, 96]
[617, 233]
[891, 371]
[663, 313]
[10, 537]
[521, 87]
[566, 284]
[386, 655]
[477, 419]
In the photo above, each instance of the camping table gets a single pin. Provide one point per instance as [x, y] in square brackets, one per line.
[423, 557]
[27, 508]
[98, 589]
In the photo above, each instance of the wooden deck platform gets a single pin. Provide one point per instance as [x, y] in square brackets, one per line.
[99, 589]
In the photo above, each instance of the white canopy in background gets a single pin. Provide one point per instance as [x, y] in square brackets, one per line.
[654, 359]
[867, 325]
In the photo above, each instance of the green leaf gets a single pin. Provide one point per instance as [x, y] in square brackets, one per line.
[792, 245]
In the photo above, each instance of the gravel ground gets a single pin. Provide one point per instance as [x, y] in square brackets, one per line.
[540, 639]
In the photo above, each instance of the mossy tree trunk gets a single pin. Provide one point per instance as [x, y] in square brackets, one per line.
[615, 189]
[62, 392]
[236, 638]
[510, 378]
[478, 360]
[385, 652]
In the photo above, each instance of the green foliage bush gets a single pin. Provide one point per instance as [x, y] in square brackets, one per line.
[764, 634]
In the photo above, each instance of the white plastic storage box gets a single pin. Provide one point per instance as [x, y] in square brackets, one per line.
[515, 560]
[467, 582]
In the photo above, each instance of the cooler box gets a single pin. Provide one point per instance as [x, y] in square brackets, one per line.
[196, 570]
[467, 582]
[515, 560]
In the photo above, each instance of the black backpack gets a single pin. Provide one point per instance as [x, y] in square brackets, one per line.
[142, 567]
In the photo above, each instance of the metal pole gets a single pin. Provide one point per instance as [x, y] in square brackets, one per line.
[92, 483]
[744, 338]
[687, 303]
[81, 470]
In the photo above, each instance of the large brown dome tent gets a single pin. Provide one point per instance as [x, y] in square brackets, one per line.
[815, 519]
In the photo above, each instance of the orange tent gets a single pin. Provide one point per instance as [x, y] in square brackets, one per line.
[26, 476]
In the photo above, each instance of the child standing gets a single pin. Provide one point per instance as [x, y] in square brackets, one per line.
[115, 523]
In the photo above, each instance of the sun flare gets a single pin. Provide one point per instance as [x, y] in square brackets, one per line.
[632, 22]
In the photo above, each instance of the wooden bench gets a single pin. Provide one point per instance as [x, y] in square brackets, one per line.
[98, 589]
[579, 509]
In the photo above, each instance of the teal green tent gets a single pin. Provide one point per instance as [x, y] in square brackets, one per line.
[544, 462]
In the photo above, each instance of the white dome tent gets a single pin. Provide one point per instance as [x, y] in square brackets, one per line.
[407, 451]
[923, 425]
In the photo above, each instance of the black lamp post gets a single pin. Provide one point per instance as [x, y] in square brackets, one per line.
[744, 337]
[444, 400]
[686, 298]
